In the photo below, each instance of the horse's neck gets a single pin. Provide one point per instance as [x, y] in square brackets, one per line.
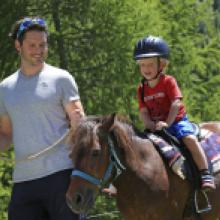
[144, 167]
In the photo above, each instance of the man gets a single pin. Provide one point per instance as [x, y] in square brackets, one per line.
[36, 103]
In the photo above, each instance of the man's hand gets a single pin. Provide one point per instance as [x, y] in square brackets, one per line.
[75, 112]
[111, 191]
[75, 117]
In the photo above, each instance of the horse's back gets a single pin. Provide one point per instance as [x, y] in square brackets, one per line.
[210, 126]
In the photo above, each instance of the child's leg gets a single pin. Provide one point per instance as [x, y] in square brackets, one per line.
[196, 150]
[207, 180]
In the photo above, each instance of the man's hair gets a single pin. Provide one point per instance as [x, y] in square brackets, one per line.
[17, 34]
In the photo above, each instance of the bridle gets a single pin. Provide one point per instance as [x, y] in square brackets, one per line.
[114, 163]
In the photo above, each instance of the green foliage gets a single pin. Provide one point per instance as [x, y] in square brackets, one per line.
[109, 205]
[5, 182]
[94, 40]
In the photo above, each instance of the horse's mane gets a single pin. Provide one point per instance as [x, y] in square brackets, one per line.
[124, 134]
[141, 156]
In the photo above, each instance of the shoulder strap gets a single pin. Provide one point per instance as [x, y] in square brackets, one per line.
[142, 90]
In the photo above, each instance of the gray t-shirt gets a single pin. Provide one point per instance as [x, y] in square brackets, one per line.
[35, 105]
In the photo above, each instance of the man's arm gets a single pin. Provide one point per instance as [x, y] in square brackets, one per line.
[74, 111]
[5, 133]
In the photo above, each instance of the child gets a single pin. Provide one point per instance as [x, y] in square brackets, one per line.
[160, 101]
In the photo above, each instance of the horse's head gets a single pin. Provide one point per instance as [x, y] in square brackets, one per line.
[93, 166]
[101, 146]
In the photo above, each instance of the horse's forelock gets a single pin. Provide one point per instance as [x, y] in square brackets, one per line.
[84, 136]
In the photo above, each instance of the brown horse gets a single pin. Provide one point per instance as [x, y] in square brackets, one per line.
[107, 149]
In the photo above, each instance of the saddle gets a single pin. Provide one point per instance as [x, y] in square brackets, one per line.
[179, 159]
[175, 154]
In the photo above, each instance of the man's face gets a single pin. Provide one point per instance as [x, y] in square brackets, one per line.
[34, 48]
[149, 67]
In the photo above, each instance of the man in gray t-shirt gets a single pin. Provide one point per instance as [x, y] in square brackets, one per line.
[36, 103]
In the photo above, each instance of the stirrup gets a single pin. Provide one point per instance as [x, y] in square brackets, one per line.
[206, 199]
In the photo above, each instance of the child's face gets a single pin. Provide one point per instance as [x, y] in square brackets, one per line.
[149, 67]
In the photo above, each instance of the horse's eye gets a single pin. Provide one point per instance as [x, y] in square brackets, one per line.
[95, 152]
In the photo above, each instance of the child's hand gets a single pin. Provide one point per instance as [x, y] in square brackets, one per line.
[160, 125]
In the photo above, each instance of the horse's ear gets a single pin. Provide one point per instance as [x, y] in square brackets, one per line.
[108, 122]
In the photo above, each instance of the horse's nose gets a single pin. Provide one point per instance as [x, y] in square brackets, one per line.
[78, 199]
[75, 203]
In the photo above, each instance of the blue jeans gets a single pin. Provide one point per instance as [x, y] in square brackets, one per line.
[42, 199]
[181, 128]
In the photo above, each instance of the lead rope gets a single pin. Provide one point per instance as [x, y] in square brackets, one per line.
[44, 151]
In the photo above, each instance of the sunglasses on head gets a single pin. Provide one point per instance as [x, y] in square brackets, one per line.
[30, 22]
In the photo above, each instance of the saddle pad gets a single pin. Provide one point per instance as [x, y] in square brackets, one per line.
[168, 152]
[211, 146]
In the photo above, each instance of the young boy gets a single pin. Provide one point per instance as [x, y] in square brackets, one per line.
[160, 101]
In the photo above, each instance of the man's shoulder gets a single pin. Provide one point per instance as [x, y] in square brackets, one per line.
[56, 71]
[9, 80]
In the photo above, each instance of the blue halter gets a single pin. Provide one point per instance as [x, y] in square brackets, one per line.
[114, 162]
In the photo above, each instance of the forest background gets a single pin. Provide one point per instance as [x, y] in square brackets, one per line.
[94, 41]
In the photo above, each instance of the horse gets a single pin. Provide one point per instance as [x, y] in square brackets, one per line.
[107, 149]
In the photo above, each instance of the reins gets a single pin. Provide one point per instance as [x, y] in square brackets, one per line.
[44, 151]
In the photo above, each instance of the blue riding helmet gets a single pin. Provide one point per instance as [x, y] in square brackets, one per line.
[151, 46]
